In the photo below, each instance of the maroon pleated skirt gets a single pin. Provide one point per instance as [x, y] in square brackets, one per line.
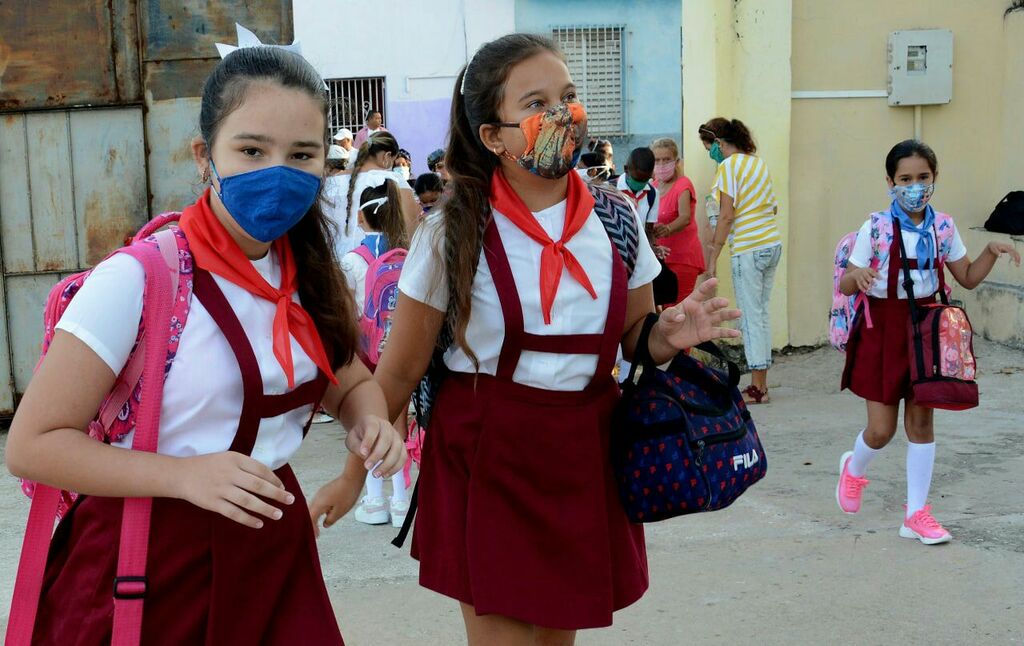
[878, 358]
[518, 512]
[210, 580]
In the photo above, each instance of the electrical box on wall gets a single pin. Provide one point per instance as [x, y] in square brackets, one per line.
[920, 67]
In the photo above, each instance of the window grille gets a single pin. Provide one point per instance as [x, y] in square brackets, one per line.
[595, 59]
[350, 99]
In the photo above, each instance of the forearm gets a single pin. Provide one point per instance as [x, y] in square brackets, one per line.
[397, 389]
[69, 459]
[354, 471]
[978, 270]
[677, 225]
[848, 284]
[363, 399]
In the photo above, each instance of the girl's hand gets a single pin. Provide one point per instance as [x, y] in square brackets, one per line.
[661, 252]
[865, 277]
[696, 319]
[379, 444]
[335, 499]
[662, 230]
[999, 248]
[232, 485]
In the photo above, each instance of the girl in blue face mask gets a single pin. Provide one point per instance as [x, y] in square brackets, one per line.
[877, 357]
[260, 334]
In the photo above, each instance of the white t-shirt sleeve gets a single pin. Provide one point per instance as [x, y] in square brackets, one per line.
[354, 268]
[106, 311]
[957, 250]
[647, 266]
[423, 277]
[861, 253]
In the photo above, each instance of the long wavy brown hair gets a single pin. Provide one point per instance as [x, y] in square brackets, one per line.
[478, 93]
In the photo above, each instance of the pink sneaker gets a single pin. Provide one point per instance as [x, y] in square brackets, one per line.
[925, 528]
[849, 488]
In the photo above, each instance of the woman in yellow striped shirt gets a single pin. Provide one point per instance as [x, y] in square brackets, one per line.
[747, 221]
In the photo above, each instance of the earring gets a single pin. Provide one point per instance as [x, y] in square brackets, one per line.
[206, 174]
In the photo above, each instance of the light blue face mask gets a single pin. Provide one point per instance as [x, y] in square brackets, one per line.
[912, 198]
[268, 202]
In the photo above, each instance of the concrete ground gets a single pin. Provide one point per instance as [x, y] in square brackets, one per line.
[783, 565]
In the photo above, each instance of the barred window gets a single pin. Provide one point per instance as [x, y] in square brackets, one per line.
[595, 59]
[350, 99]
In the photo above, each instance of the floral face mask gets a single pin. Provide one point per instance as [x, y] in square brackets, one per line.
[554, 140]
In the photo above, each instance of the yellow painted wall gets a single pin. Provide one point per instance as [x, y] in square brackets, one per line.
[736, 64]
[838, 146]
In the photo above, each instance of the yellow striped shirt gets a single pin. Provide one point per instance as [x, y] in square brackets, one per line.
[746, 180]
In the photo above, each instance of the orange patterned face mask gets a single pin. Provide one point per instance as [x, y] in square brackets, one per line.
[554, 140]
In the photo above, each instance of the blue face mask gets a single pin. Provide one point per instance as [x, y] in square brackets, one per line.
[715, 153]
[912, 198]
[268, 202]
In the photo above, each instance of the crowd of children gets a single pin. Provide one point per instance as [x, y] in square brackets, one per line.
[321, 276]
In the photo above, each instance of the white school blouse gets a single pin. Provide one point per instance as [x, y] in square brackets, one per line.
[339, 211]
[926, 282]
[573, 311]
[202, 400]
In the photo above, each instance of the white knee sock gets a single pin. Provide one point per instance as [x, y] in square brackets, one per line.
[920, 460]
[862, 457]
[374, 486]
[399, 492]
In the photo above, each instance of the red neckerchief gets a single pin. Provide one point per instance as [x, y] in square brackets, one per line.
[579, 204]
[214, 250]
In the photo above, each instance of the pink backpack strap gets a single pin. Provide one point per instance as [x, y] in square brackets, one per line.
[129, 586]
[133, 369]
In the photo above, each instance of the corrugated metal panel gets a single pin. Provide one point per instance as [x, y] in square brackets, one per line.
[109, 162]
[72, 187]
[53, 55]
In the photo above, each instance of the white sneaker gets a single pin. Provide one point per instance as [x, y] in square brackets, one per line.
[399, 510]
[372, 511]
[322, 418]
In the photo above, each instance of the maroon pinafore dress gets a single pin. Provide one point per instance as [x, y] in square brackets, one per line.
[518, 512]
[210, 580]
[878, 358]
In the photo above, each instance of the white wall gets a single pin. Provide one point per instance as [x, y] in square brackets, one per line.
[418, 46]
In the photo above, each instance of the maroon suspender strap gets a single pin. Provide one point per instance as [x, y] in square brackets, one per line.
[896, 266]
[213, 299]
[517, 339]
[255, 404]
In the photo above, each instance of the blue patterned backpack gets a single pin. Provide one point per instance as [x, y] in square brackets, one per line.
[682, 439]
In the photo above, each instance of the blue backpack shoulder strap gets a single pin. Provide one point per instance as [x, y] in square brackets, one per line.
[619, 221]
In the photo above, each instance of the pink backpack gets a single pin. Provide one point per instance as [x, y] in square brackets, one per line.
[843, 314]
[381, 299]
[133, 404]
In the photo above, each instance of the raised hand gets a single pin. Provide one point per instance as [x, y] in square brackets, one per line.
[696, 319]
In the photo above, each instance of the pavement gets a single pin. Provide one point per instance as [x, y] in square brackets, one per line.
[782, 565]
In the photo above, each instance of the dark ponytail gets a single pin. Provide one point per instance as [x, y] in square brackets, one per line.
[318, 276]
[378, 142]
[466, 207]
[387, 216]
[910, 148]
[732, 131]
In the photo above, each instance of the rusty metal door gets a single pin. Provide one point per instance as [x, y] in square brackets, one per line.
[72, 186]
[97, 107]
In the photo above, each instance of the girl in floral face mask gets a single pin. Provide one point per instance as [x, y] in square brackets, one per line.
[512, 271]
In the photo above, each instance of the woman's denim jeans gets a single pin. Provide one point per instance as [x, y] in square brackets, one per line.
[752, 276]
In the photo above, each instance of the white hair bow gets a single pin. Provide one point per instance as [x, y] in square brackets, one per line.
[248, 39]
